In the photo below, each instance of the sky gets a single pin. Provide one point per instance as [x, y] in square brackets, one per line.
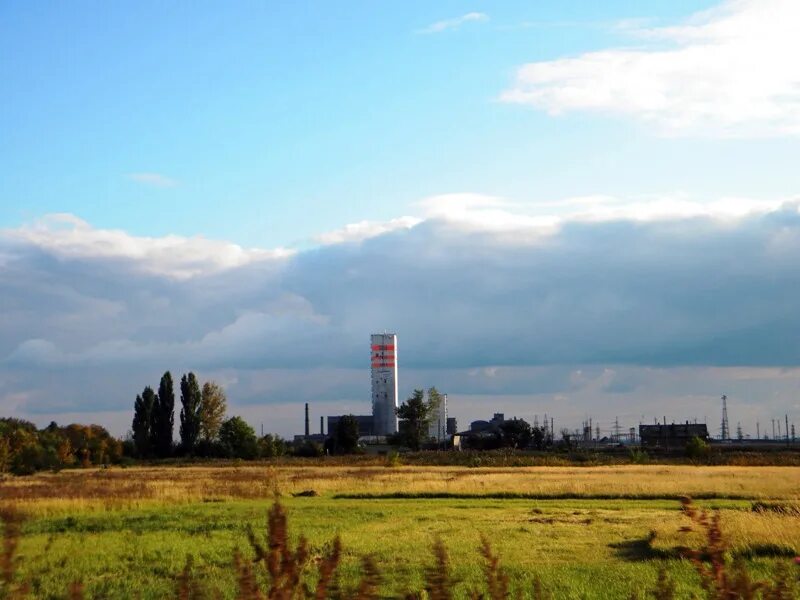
[575, 208]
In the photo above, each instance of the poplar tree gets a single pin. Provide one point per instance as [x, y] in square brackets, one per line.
[164, 417]
[191, 401]
[143, 433]
[212, 410]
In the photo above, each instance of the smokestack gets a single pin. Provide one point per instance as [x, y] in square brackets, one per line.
[307, 419]
[321, 426]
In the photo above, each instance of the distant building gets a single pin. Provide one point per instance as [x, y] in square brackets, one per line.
[383, 354]
[366, 425]
[452, 426]
[676, 435]
[486, 426]
[479, 431]
[437, 426]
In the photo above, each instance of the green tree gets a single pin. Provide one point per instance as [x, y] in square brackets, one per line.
[142, 427]
[164, 416]
[515, 433]
[238, 439]
[415, 416]
[212, 410]
[345, 437]
[538, 439]
[5, 454]
[191, 402]
[271, 446]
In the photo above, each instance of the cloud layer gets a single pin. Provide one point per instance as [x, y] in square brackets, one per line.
[731, 71]
[489, 299]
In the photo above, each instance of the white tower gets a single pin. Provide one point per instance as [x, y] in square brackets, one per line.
[383, 347]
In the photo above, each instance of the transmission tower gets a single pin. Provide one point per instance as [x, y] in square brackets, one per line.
[725, 430]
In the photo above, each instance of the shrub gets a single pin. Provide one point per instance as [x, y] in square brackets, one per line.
[309, 449]
[697, 448]
[393, 459]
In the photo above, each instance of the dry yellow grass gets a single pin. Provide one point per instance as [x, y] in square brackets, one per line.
[133, 487]
[745, 531]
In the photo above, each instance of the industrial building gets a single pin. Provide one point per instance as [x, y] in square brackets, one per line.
[365, 425]
[437, 426]
[479, 429]
[383, 353]
[307, 435]
[671, 436]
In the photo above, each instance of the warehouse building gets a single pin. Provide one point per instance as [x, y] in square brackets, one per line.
[671, 436]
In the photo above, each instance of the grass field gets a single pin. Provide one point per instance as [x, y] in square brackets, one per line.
[596, 532]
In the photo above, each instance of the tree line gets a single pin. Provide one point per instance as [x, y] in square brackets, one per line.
[24, 449]
[203, 427]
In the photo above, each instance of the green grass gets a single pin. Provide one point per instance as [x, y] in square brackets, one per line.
[589, 532]
[579, 548]
[529, 496]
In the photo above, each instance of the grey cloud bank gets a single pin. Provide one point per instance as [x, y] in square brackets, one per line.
[606, 315]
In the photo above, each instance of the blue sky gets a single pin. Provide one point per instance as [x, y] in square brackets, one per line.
[583, 208]
[277, 121]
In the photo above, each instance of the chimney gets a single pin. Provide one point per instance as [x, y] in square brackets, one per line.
[307, 419]
[321, 426]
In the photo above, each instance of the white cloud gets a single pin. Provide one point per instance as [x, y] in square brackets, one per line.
[68, 236]
[731, 71]
[357, 232]
[446, 24]
[611, 290]
[153, 179]
[478, 212]
[534, 220]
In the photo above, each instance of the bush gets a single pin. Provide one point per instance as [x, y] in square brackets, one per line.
[271, 446]
[209, 449]
[639, 457]
[309, 450]
[697, 448]
[393, 459]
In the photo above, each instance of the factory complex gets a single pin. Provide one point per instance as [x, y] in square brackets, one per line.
[440, 430]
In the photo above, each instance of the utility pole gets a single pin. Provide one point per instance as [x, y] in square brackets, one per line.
[786, 416]
[773, 429]
[758, 430]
